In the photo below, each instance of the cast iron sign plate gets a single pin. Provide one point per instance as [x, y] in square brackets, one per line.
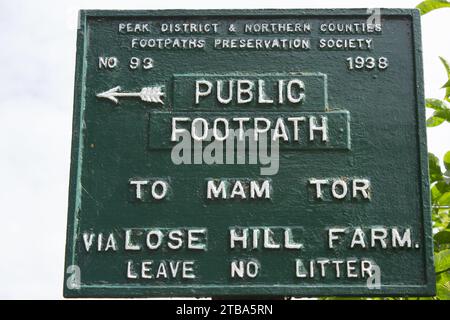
[249, 153]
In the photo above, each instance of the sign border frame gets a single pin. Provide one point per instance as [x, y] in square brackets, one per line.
[274, 290]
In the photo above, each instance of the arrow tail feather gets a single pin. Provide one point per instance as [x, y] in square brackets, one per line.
[152, 94]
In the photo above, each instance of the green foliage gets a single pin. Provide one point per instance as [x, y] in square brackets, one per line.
[440, 199]
[435, 168]
[442, 240]
[447, 84]
[440, 195]
[439, 117]
[440, 107]
[442, 267]
[442, 261]
[443, 286]
[430, 5]
[447, 161]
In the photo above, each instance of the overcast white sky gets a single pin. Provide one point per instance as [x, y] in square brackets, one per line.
[37, 55]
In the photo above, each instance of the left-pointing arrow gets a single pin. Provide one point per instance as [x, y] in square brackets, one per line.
[148, 94]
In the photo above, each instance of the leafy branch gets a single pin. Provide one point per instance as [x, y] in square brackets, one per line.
[430, 5]
[441, 107]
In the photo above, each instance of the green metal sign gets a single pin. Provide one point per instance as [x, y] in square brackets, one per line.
[249, 153]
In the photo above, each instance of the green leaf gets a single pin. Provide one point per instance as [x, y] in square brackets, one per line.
[445, 114]
[435, 104]
[442, 261]
[447, 68]
[435, 193]
[430, 5]
[447, 160]
[442, 240]
[444, 200]
[434, 121]
[435, 168]
[438, 189]
[441, 219]
[443, 186]
[446, 85]
[442, 237]
[443, 286]
[438, 117]
[446, 64]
